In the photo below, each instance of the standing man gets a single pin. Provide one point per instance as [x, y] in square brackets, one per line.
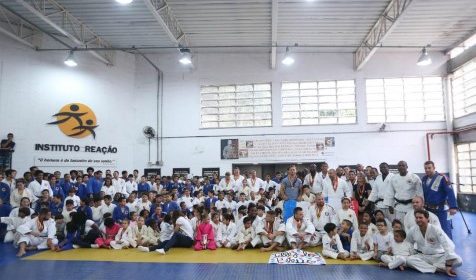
[290, 189]
[312, 180]
[379, 189]
[254, 182]
[437, 193]
[6, 149]
[403, 188]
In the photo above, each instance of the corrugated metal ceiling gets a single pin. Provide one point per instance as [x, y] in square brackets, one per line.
[248, 22]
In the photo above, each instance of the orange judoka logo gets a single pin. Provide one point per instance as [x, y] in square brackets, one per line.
[76, 120]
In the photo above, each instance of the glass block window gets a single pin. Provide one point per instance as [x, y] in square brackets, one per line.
[229, 106]
[405, 100]
[463, 84]
[315, 103]
[466, 154]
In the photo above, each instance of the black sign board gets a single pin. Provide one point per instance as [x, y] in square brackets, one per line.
[181, 172]
[210, 171]
[151, 172]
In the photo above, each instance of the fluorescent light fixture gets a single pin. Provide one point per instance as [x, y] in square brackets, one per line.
[185, 57]
[288, 59]
[69, 61]
[124, 2]
[424, 58]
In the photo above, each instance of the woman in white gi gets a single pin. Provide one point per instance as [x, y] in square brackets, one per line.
[38, 233]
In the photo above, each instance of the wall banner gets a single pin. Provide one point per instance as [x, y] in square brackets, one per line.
[278, 149]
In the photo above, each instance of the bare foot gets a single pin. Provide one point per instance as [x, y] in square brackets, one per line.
[381, 264]
[280, 249]
[265, 249]
[21, 253]
[402, 268]
[31, 248]
[450, 272]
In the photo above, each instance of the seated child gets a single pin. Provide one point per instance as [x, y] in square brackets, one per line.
[228, 232]
[60, 227]
[67, 241]
[68, 209]
[145, 235]
[346, 213]
[400, 250]
[109, 233]
[378, 214]
[134, 216]
[166, 232]
[362, 245]
[397, 225]
[382, 240]
[216, 225]
[245, 235]
[345, 234]
[268, 232]
[367, 219]
[332, 246]
[125, 238]
[205, 238]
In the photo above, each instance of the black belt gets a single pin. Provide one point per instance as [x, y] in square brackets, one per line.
[433, 208]
[405, 202]
[378, 200]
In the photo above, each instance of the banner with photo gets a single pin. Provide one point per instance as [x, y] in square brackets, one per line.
[279, 149]
[297, 256]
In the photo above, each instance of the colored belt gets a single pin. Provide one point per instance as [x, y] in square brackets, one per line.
[405, 202]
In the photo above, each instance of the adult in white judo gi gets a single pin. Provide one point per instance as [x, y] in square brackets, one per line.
[403, 188]
[38, 233]
[434, 251]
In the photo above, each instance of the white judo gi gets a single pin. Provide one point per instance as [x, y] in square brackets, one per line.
[319, 218]
[12, 225]
[362, 246]
[332, 247]
[433, 250]
[228, 234]
[292, 228]
[125, 238]
[264, 228]
[377, 195]
[28, 229]
[334, 197]
[400, 252]
[401, 191]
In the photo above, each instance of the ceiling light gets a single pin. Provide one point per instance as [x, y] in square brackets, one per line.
[288, 59]
[124, 2]
[69, 61]
[424, 58]
[185, 57]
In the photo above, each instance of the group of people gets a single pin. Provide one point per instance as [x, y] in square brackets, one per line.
[366, 213]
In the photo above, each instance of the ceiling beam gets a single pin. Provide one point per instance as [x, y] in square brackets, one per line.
[16, 28]
[384, 25]
[164, 16]
[274, 32]
[70, 27]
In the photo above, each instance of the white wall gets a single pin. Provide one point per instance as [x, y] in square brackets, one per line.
[34, 85]
[359, 143]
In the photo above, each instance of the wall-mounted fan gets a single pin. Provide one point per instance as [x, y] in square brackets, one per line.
[149, 133]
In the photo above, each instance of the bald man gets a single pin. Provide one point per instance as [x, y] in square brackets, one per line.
[404, 186]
